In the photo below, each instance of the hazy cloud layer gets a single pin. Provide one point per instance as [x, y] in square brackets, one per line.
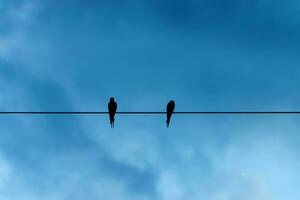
[207, 55]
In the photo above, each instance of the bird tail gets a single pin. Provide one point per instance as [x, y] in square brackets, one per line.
[112, 120]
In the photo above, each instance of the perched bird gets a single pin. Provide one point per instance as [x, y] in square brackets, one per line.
[112, 109]
[170, 110]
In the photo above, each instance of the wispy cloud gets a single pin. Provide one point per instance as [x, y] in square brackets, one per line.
[72, 56]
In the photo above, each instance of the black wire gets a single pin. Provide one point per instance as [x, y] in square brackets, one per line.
[158, 113]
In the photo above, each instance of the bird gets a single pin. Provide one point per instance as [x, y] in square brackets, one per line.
[112, 109]
[170, 110]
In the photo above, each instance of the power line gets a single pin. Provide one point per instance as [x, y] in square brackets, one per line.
[156, 113]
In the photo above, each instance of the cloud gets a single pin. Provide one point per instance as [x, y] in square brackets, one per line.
[76, 55]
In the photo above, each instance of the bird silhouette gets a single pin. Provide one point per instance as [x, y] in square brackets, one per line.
[112, 109]
[170, 110]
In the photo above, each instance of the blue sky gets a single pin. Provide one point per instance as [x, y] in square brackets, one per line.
[217, 55]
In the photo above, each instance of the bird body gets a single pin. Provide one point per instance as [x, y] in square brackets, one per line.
[112, 109]
[170, 110]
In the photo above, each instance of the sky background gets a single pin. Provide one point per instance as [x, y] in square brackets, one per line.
[207, 55]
